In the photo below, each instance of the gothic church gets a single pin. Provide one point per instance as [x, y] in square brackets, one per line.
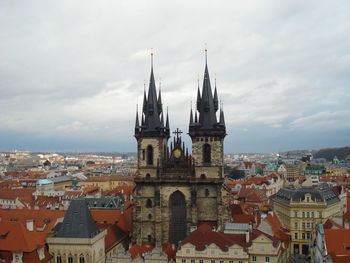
[176, 191]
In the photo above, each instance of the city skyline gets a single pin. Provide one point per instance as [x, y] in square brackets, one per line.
[71, 76]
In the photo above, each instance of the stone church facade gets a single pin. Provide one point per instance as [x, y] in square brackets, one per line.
[175, 191]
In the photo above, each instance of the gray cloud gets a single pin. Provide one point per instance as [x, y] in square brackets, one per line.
[74, 70]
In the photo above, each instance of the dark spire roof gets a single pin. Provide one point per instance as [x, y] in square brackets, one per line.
[207, 106]
[137, 122]
[78, 222]
[222, 117]
[167, 126]
[191, 117]
[152, 124]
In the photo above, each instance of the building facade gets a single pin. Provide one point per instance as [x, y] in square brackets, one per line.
[175, 190]
[300, 209]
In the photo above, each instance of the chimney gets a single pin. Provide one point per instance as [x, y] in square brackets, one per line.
[30, 225]
[247, 236]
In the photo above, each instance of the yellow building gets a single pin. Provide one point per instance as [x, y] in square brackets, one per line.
[109, 182]
[300, 209]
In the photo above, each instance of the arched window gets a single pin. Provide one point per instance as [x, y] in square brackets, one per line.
[59, 259]
[206, 153]
[70, 258]
[149, 216]
[206, 192]
[81, 258]
[148, 176]
[149, 155]
[203, 176]
[149, 237]
[149, 203]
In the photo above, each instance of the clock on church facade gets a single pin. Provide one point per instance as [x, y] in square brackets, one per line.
[175, 190]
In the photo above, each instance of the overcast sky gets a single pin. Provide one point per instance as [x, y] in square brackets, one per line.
[72, 72]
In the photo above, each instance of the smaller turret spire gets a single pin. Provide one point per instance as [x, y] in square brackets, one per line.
[191, 115]
[167, 127]
[137, 123]
[216, 101]
[222, 117]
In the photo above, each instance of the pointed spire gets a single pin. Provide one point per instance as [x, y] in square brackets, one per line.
[137, 123]
[191, 117]
[161, 120]
[159, 100]
[199, 99]
[167, 120]
[216, 101]
[222, 117]
[144, 106]
[195, 117]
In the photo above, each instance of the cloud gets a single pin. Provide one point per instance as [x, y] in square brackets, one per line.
[77, 69]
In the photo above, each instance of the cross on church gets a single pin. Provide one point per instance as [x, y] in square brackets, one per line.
[177, 132]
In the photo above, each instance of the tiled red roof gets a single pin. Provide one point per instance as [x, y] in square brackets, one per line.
[337, 244]
[40, 217]
[14, 193]
[139, 250]
[277, 228]
[203, 237]
[15, 237]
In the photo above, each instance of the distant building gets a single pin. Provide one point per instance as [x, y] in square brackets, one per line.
[300, 209]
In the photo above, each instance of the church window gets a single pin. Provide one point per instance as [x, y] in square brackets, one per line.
[143, 154]
[149, 155]
[149, 203]
[206, 192]
[70, 259]
[206, 153]
[149, 216]
[59, 259]
[81, 258]
[203, 176]
[148, 176]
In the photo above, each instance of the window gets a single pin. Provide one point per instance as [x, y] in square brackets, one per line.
[149, 237]
[202, 176]
[312, 214]
[240, 261]
[254, 258]
[308, 214]
[295, 235]
[149, 216]
[212, 261]
[201, 261]
[231, 261]
[295, 214]
[221, 261]
[206, 192]
[148, 176]
[183, 261]
[143, 154]
[59, 259]
[303, 214]
[296, 225]
[149, 203]
[308, 225]
[307, 199]
[149, 155]
[81, 259]
[70, 259]
[303, 235]
[206, 153]
[303, 225]
[267, 259]
[308, 236]
[193, 261]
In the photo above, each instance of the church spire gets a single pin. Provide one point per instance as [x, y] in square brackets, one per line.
[216, 101]
[207, 106]
[167, 127]
[222, 117]
[137, 122]
[152, 117]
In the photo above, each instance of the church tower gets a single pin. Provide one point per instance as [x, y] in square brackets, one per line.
[207, 134]
[176, 191]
